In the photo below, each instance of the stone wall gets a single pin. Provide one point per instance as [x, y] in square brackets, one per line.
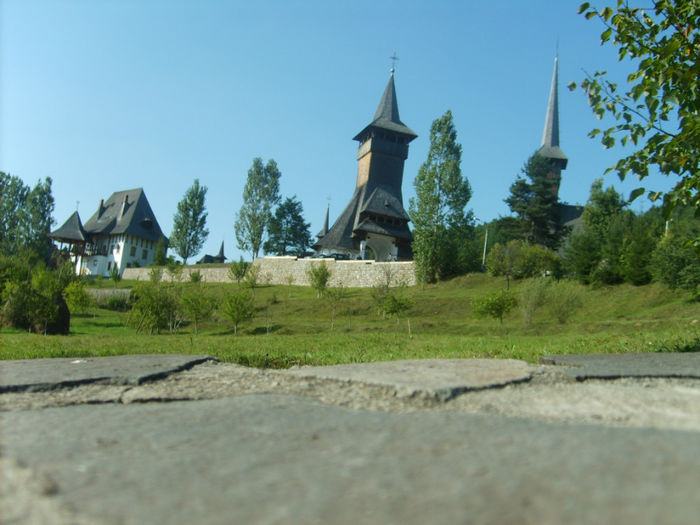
[277, 270]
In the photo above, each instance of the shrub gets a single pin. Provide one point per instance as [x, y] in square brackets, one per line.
[319, 275]
[34, 302]
[379, 294]
[118, 303]
[395, 304]
[195, 276]
[114, 274]
[676, 264]
[520, 260]
[564, 299]
[495, 304]
[77, 297]
[155, 275]
[533, 296]
[154, 308]
[175, 270]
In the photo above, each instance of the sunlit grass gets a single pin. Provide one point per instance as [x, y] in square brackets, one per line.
[293, 327]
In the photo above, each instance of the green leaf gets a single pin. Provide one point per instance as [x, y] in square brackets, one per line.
[636, 193]
[584, 6]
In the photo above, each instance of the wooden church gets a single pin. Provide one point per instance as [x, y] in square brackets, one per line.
[374, 224]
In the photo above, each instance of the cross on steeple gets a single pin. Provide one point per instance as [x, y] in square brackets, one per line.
[393, 59]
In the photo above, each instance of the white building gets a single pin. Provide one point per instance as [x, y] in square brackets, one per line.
[122, 233]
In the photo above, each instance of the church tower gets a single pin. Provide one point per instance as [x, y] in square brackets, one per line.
[375, 223]
[550, 137]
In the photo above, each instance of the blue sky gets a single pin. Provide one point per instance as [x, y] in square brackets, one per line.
[103, 96]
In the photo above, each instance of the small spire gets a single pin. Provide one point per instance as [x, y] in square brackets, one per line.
[393, 59]
[324, 229]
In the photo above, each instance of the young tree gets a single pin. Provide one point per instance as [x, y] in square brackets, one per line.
[319, 275]
[335, 295]
[189, 223]
[495, 305]
[535, 202]
[260, 195]
[438, 211]
[239, 307]
[658, 110]
[197, 304]
[287, 232]
[237, 270]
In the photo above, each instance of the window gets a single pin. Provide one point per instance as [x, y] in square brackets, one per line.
[133, 251]
[145, 254]
[109, 265]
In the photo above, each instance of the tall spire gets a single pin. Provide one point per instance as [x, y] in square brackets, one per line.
[388, 108]
[387, 115]
[550, 137]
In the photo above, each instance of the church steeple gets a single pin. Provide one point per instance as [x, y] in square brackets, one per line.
[387, 115]
[375, 220]
[550, 137]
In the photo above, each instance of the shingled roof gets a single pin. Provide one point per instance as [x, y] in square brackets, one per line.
[550, 137]
[125, 212]
[72, 231]
[387, 115]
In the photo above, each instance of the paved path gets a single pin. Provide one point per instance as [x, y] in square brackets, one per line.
[184, 439]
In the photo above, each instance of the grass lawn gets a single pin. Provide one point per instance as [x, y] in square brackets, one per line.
[293, 327]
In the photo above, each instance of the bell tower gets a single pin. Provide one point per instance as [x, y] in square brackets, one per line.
[375, 218]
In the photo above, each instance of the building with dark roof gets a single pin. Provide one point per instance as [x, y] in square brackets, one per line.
[374, 224]
[214, 259]
[122, 233]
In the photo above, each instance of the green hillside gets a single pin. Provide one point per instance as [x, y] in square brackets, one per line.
[293, 327]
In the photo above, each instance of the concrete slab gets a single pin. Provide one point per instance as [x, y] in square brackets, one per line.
[33, 375]
[442, 378]
[286, 459]
[613, 366]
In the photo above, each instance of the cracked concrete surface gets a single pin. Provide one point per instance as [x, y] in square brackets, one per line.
[483, 441]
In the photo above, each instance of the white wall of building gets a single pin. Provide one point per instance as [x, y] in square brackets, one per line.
[122, 251]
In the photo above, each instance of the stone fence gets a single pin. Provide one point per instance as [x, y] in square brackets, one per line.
[279, 270]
